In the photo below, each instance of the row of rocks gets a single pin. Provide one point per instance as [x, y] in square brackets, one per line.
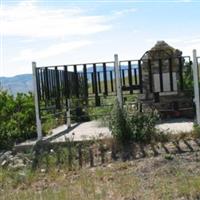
[15, 161]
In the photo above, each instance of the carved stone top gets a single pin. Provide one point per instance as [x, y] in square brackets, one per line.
[161, 50]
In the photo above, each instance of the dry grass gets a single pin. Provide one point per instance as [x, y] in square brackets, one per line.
[150, 178]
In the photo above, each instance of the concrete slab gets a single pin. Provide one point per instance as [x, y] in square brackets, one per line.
[83, 131]
[95, 130]
[176, 126]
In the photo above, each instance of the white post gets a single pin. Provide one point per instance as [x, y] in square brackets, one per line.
[118, 80]
[196, 85]
[37, 112]
[68, 114]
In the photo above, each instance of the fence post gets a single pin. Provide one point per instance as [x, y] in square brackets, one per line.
[118, 80]
[196, 85]
[68, 114]
[37, 111]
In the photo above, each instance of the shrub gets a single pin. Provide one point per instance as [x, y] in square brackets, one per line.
[119, 124]
[142, 125]
[17, 118]
[135, 126]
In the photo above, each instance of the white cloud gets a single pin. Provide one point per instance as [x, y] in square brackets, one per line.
[30, 20]
[125, 11]
[53, 50]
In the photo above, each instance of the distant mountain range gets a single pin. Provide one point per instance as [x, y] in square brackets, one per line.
[20, 83]
[23, 83]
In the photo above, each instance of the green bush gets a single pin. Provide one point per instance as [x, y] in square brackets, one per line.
[17, 118]
[142, 125]
[119, 124]
[196, 131]
[135, 126]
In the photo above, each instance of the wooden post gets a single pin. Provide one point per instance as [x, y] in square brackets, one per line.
[80, 156]
[118, 81]
[37, 109]
[69, 156]
[91, 157]
[102, 150]
[196, 85]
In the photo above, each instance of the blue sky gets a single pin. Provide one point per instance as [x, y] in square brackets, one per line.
[65, 32]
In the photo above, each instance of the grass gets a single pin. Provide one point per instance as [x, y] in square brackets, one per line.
[150, 178]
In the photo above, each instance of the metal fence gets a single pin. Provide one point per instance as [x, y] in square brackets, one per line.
[93, 81]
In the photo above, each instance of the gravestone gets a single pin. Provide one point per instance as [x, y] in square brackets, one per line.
[161, 79]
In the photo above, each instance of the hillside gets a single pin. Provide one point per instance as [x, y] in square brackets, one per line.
[19, 83]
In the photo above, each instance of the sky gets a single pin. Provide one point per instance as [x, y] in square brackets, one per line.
[60, 32]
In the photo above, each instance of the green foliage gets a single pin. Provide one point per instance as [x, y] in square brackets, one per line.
[169, 157]
[143, 125]
[119, 124]
[17, 118]
[196, 131]
[188, 78]
[135, 126]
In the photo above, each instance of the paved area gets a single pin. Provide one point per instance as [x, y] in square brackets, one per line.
[176, 126]
[82, 131]
[95, 130]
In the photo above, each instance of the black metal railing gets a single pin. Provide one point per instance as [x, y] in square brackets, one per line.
[83, 82]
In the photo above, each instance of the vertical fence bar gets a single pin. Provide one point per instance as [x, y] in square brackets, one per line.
[58, 106]
[99, 81]
[196, 85]
[135, 76]
[181, 73]
[38, 84]
[92, 79]
[140, 76]
[118, 80]
[68, 113]
[150, 76]
[50, 83]
[160, 75]
[105, 79]
[37, 106]
[130, 77]
[111, 81]
[95, 85]
[76, 81]
[171, 74]
[41, 84]
[123, 77]
[66, 87]
[66, 81]
[85, 83]
[46, 83]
